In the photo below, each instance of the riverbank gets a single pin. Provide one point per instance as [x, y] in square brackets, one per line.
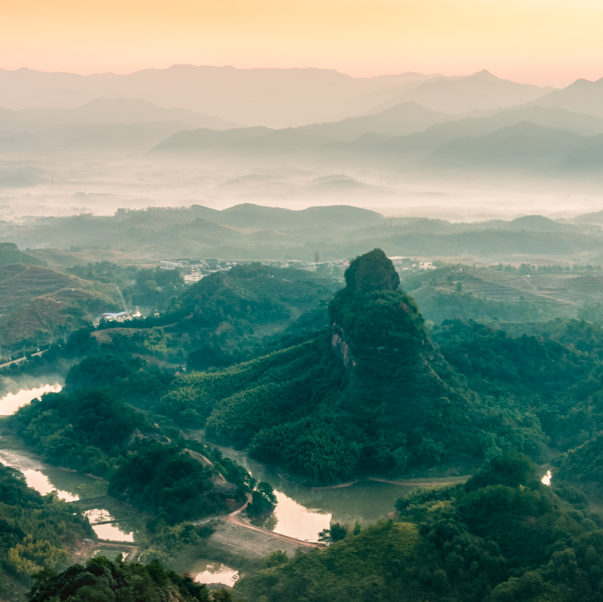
[439, 482]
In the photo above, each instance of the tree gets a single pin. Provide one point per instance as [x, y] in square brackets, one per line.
[263, 500]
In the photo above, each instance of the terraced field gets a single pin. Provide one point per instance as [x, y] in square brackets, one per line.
[21, 283]
[38, 304]
[566, 292]
[560, 289]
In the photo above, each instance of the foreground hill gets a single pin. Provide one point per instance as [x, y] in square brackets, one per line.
[103, 579]
[500, 537]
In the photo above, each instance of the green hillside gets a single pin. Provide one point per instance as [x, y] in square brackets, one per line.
[9, 253]
[35, 533]
[372, 396]
[226, 317]
[102, 579]
[95, 431]
[21, 284]
[500, 537]
[508, 294]
[40, 304]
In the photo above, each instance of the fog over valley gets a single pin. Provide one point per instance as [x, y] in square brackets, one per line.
[293, 335]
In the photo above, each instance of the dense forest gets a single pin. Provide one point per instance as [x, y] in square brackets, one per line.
[93, 429]
[224, 318]
[500, 537]
[373, 395]
[378, 392]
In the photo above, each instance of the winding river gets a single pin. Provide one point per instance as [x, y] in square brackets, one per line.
[301, 512]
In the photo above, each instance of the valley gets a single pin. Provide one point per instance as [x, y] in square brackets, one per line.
[292, 335]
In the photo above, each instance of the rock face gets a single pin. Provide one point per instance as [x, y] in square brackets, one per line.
[341, 347]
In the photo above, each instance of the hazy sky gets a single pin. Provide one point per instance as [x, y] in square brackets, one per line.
[540, 41]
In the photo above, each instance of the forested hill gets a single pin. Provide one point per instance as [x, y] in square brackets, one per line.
[225, 318]
[500, 537]
[92, 429]
[373, 396]
[101, 579]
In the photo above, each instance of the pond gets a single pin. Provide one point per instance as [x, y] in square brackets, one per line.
[109, 529]
[10, 403]
[212, 572]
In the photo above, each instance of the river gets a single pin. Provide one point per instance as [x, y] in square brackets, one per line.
[11, 402]
[303, 512]
[72, 486]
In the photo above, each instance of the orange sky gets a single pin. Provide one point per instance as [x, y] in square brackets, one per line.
[540, 41]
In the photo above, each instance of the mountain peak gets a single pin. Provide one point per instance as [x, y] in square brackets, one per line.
[485, 74]
[372, 271]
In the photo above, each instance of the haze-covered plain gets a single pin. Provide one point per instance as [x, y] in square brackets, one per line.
[459, 148]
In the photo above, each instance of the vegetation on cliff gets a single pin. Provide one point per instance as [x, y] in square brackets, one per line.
[373, 396]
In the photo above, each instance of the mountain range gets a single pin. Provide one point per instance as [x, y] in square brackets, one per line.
[272, 97]
[402, 122]
[524, 139]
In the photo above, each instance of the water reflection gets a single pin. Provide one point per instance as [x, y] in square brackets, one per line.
[303, 512]
[45, 479]
[295, 520]
[10, 403]
[111, 531]
[214, 572]
[41, 483]
[71, 486]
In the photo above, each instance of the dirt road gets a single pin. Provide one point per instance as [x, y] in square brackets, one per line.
[233, 518]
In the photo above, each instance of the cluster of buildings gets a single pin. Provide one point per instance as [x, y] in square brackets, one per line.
[193, 270]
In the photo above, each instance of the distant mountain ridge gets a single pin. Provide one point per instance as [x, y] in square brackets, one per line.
[272, 97]
[526, 139]
[481, 91]
[583, 96]
[108, 110]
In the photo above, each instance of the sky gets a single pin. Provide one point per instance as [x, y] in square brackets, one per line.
[546, 42]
